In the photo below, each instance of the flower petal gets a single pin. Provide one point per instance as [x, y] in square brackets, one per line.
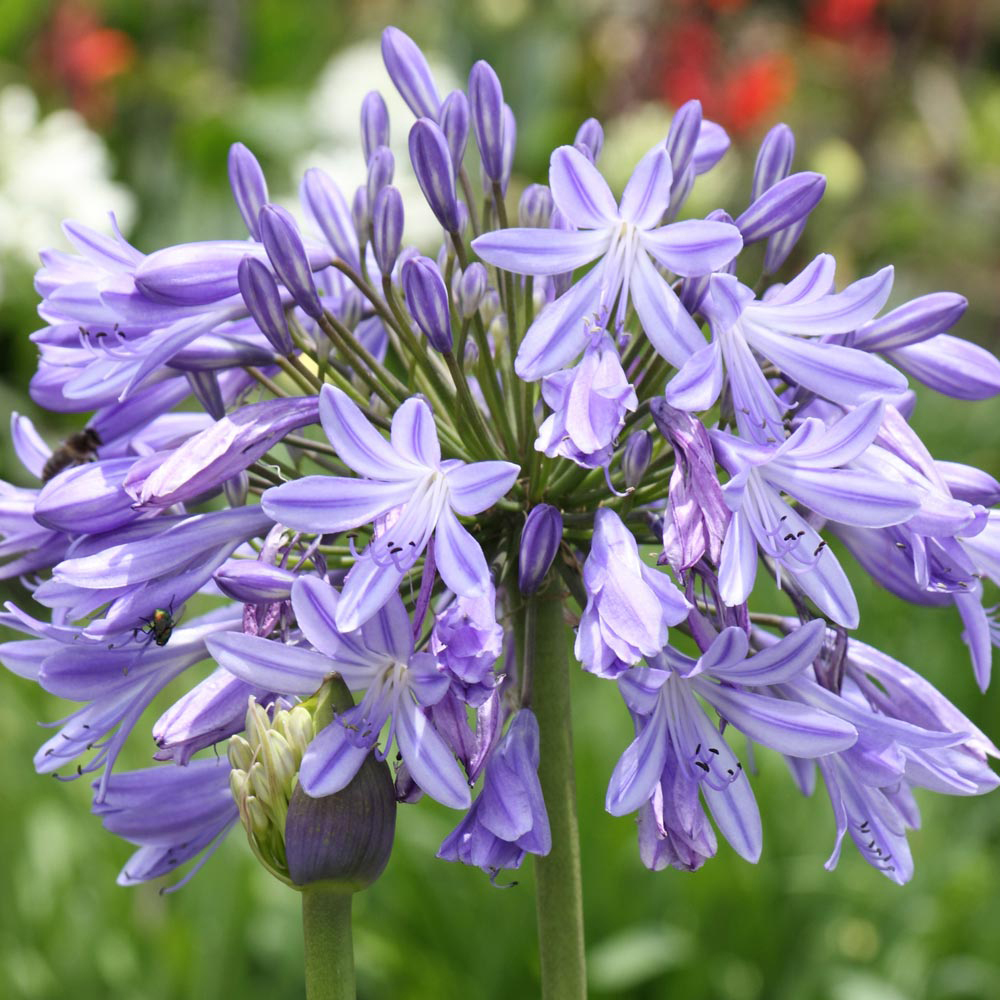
[541, 251]
[647, 193]
[332, 503]
[776, 664]
[559, 334]
[414, 437]
[431, 764]
[579, 190]
[666, 323]
[474, 487]
[357, 442]
[460, 560]
[330, 762]
[268, 664]
[693, 247]
[640, 767]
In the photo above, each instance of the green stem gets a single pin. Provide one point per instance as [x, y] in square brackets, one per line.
[559, 894]
[329, 952]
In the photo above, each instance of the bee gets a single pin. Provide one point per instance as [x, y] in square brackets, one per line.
[77, 449]
[159, 626]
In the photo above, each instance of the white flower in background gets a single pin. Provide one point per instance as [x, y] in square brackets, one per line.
[334, 111]
[51, 168]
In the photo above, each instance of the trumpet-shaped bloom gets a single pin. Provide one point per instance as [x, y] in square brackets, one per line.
[407, 475]
[627, 241]
[377, 659]
[629, 605]
[808, 467]
[678, 751]
[784, 329]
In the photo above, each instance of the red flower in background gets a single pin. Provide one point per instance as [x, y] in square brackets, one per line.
[80, 55]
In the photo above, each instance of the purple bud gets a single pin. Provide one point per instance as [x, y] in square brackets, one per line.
[374, 123]
[328, 210]
[509, 145]
[248, 184]
[780, 245]
[486, 108]
[590, 139]
[427, 299]
[408, 70]
[206, 389]
[470, 288]
[87, 498]
[260, 293]
[380, 170]
[360, 214]
[346, 837]
[683, 136]
[774, 161]
[431, 159]
[455, 125]
[387, 228]
[635, 458]
[783, 205]
[535, 207]
[254, 582]
[710, 148]
[540, 539]
[284, 247]
[918, 320]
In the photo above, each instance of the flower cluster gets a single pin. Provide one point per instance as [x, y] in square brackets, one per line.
[395, 458]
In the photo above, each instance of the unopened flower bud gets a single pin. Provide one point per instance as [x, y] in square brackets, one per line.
[381, 167]
[408, 70]
[535, 207]
[590, 139]
[262, 297]
[387, 228]
[540, 539]
[345, 837]
[455, 125]
[486, 107]
[328, 208]
[374, 124]
[490, 307]
[287, 254]
[683, 136]
[427, 300]
[774, 161]
[248, 184]
[431, 159]
[509, 145]
[635, 457]
[783, 205]
[360, 213]
[470, 288]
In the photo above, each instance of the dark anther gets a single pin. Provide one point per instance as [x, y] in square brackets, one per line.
[702, 765]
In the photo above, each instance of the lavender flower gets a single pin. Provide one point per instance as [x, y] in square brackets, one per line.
[407, 476]
[625, 240]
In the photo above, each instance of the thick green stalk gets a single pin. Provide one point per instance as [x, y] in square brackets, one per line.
[329, 950]
[559, 894]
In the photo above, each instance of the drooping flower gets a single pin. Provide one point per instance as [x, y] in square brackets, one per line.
[629, 605]
[679, 752]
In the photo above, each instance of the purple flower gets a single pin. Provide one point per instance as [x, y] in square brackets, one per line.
[378, 659]
[508, 818]
[229, 446]
[467, 642]
[784, 328]
[678, 751]
[696, 518]
[406, 476]
[409, 71]
[625, 240]
[590, 402]
[629, 605]
[808, 466]
[171, 813]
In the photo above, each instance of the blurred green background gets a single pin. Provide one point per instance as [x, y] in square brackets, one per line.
[132, 107]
